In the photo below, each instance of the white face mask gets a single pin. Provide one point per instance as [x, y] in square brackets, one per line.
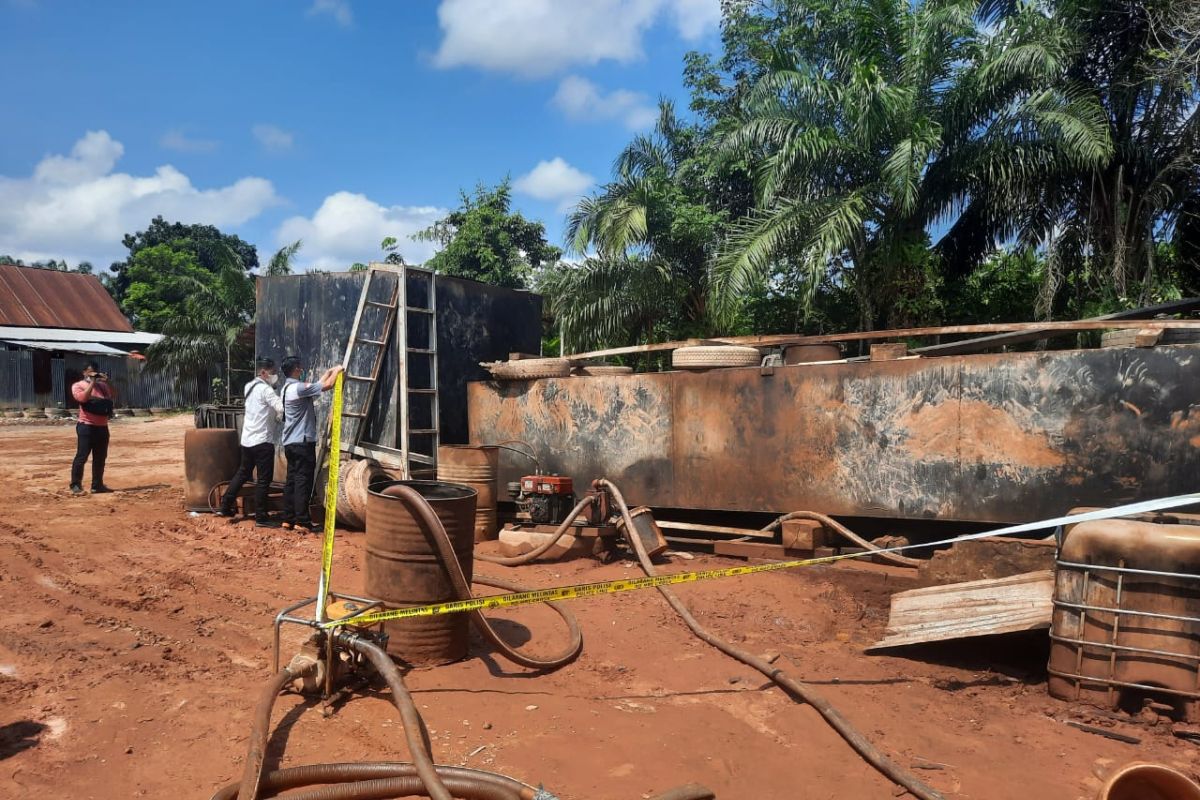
[272, 379]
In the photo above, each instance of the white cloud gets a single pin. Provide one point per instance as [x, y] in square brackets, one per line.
[535, 38]
[76, 207]
[180, 142]
[580, 99]
[554, 181]
[338, 9]
[273, 138]
[348, 227]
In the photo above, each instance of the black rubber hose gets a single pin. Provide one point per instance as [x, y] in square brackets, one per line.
[805, 693]
[532, 555]
[462, 589]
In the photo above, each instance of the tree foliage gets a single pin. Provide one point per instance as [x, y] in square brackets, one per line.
[485, 240]
[864, 163]
[281, 261]
[209, 248]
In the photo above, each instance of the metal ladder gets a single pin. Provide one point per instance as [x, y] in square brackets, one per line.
[415, 294]
[420, 430]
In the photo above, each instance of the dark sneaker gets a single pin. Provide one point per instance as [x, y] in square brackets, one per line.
[225, 512]
[310, 526]
[76, 488]
[101, 489]
[266, 523]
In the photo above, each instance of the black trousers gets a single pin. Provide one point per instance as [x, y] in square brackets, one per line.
[297, 490]
[259, 459]
[90, 440]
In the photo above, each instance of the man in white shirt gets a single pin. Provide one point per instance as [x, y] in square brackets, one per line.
[260, 430]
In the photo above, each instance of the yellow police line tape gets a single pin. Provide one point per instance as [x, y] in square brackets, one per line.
[632, 584]
[331, 492]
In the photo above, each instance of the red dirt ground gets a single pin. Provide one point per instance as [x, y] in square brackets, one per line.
[135, 638]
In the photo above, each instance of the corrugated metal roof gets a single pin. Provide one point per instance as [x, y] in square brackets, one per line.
[70, 347]
[76, 335]
[47, 298]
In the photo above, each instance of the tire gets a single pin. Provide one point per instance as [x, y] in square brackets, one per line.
[530, 369]
[601, 369]
[715, 356]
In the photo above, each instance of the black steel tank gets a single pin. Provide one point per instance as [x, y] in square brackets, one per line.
[210, 455]
[404, 568]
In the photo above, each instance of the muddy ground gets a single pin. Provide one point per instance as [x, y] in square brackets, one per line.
[134, 639]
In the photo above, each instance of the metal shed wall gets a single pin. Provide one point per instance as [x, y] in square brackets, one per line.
[990, 438]
[311, 315]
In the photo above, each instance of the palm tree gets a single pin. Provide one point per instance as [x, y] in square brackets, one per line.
[653, 231]
[879, 120]
[281, 262]
[211, 330]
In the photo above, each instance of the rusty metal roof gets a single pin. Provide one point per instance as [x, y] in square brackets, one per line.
[47, 298]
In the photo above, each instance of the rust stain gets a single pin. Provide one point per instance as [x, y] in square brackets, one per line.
[976, 433]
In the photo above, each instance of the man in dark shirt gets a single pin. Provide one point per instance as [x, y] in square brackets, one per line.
[300, 439]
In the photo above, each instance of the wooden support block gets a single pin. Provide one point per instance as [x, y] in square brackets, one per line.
[803, 534]
[1147, 337]
[522, 356]
[824, 552]
[888, 351]
[749, 550]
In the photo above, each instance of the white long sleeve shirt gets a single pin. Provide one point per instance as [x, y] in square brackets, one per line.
[264, 410]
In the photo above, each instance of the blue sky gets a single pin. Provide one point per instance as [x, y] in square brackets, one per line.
[335, 121]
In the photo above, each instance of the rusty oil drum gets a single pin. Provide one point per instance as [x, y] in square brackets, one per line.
[404, 569]
[210, 456]
[474, 466]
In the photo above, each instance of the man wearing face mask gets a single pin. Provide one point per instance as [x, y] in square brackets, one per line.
[300, 438]
[260, 430]
[95, 398]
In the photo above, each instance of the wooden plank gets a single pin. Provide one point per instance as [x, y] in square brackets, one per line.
[692, 526]
[758, 550]
[975, 608]
[1005, 339]
[776, 340]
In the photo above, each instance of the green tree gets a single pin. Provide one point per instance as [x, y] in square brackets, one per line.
[1101, 225]
[160, 279]
[281, 261]
[211, 325]
[655, 226]
[485, 240]
[876, 119]
[207, 244]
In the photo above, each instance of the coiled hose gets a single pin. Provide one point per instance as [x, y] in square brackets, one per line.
[803, 692]
[829, 522]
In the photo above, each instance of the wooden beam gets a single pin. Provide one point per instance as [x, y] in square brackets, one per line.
[1005, 339]
[776, 340]
[693, 526]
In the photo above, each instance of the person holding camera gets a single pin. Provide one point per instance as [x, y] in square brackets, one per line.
[260, 430]
[95, 398]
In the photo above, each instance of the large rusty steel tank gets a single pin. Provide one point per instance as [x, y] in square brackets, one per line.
[474, 466]
[1126, 624]
[210, 455]
[404, 568]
